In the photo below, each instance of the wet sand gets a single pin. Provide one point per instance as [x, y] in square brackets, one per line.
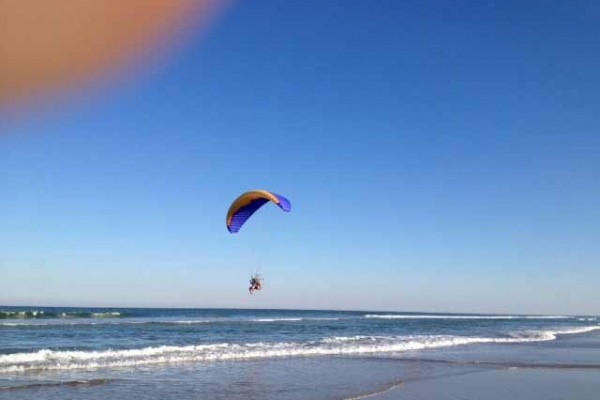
[568, 368]
[513, 384]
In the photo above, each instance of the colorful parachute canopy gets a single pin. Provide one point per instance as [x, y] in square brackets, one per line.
[244, 206]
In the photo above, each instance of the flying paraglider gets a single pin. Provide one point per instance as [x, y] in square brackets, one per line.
[248, 203]
[242, 209]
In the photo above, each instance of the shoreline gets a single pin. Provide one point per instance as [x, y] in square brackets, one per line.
[500, 380]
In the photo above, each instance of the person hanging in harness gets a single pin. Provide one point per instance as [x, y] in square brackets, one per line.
[255, 283]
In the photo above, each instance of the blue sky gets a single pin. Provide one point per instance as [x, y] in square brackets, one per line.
[439, 156]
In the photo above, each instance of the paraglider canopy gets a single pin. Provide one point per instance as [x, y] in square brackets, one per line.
[248, 203]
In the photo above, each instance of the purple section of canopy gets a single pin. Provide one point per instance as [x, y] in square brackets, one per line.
[284, 203]
[243, 213]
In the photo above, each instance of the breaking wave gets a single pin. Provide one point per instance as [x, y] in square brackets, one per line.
[132, 321]
[295, 319]
[276, 320]
[39, 314]
[434, 316]
[54, 360]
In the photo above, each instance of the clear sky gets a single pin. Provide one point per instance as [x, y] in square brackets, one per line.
[439, 156]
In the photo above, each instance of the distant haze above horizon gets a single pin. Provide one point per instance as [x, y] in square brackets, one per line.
[439, 157]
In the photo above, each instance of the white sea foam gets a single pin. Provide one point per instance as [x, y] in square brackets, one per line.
[276, 319]
[294, 319]
[324, 319]
[575, 330]
[152, 321]
[190, 322]
[21, 314]
[108, 322]
[357, 338]
[38, 314]
[432, 316]
[111, 314]
[51, 360]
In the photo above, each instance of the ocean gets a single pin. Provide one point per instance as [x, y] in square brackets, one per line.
[122, 353]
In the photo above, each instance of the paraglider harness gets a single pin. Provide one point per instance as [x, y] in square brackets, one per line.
[255, 283]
